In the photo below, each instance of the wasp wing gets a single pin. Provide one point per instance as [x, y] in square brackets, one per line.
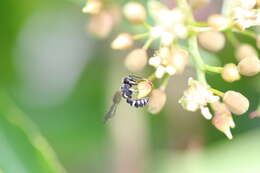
[113, 108]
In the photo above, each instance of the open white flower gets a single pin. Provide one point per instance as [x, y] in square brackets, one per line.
[197, 96]
[246, 18]
[170, 23]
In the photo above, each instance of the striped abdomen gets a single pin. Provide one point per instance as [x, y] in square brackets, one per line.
[138, 102]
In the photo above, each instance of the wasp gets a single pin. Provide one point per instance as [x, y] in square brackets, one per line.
[128, 91]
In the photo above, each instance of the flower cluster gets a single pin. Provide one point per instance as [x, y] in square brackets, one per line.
[198, 96]
[104, 17]
[201, 96]
[176, 37]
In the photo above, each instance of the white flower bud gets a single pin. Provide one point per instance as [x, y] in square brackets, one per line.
[155, 61]
[230, 73]
[179, 59]
[212, 40]
[92, 7]
[100, 24]
[249, 66]
[245, 50]
[170, 70]
[218, 21]
[144, 88]
[122, 41]
[236, 102]
[136, 60]
[157, 101]
[160, 71]
[134, 12]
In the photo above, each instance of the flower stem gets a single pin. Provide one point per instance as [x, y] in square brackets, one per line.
[230, 36]
[165, 82]
[246, 33]
[140, 36]
[152, 77]
[147, 26]
[195, 55]
[213, 69]
[148, 43]
[217, 92]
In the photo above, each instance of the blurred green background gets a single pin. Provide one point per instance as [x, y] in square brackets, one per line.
[57, 82]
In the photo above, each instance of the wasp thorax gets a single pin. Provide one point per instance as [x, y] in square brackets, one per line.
[245, 50]
[157, 101]
[136, 60]
[122, 41]
[236, 102]
[230, 73]
[218, 21]
[144, 88]
[134, 12]
[249, 66]
[212, 40]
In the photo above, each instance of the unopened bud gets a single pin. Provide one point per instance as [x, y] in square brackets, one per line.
[223, 120]
[245, 50]
[136, 60]
[144, 88]
[122, 41]
[249, 66]
[218, 21]
[101, 24]
[236, 102]
[157, 101]
[134, 12]
[230, 73]
[212, 40]
[179, 59]
[92, 7]
[195, 4]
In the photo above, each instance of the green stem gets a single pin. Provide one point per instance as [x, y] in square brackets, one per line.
[217, 92]
[148, 43]
[246, 33]
[195, 55]
[140, 36]
[230, 36]
[152, 77]
[16, 117]
[213, 69]
[147, 26]
[165, 82]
